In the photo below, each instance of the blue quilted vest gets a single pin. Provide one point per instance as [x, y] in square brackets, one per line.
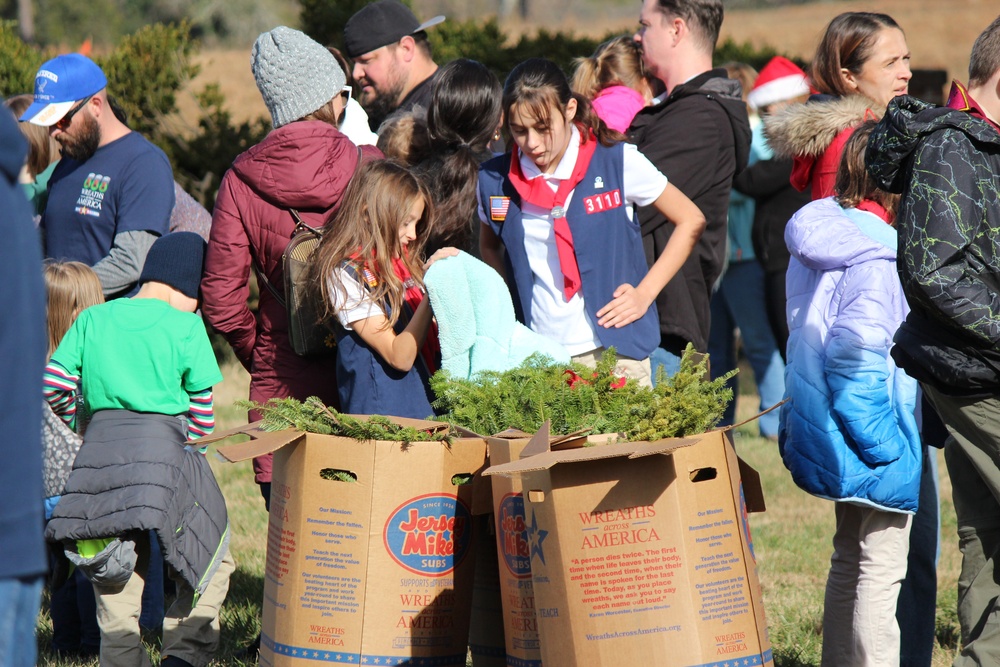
[608, 245]
[369, 386]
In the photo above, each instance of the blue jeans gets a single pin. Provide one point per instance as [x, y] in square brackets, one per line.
[668, 361]
[20, 600]
[739, 303]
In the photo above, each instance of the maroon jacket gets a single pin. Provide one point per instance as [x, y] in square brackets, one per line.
[304, 165]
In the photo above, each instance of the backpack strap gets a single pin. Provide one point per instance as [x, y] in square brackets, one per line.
[300, 226]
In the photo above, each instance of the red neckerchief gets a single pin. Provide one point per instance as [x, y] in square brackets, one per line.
[413, 294]
[537, 192]
[876, 208]
[960, 100]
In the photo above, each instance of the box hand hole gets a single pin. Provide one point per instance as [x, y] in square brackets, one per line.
[336, 475]
[462, 478]
[703, 474]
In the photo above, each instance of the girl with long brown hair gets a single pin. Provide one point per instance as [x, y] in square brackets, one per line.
[368, 273]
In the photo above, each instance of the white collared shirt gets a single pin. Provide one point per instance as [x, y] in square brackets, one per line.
[551, 314]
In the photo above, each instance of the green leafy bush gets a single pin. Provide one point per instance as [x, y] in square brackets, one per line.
[201, 159]
[145, 73]
[18, 62]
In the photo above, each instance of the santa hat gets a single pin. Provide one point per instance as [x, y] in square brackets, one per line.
[780, 80]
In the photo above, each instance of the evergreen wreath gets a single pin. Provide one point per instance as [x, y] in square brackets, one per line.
[580, 398]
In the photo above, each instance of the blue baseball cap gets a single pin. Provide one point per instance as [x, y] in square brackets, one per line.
[60, 83]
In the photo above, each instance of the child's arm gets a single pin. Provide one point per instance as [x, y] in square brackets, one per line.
[201, 414]
[630, 303]
[400, 351]
[59, 389]
[490, 248]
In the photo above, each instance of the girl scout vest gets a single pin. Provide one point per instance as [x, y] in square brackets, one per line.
[607, 244]
[368, 385]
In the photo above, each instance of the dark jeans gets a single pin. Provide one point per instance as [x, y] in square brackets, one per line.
[151, 617]
[74, 616]
[917, 605]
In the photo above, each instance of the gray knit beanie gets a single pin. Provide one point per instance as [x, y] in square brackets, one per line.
[295, 75]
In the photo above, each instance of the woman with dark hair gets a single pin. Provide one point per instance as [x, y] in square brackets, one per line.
[462, 119]
[861, 63]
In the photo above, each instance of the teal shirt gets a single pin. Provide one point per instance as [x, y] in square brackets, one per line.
[38, 191]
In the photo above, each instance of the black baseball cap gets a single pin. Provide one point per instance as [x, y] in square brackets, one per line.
[380, 23]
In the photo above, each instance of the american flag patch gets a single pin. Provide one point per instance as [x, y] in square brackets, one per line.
[498, 208]
[369, 277]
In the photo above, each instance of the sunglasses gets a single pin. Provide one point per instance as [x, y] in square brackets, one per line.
[66, 120]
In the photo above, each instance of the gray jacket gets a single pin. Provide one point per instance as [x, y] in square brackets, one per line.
[133, 474]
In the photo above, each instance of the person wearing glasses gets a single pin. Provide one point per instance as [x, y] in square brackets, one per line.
[111, 195]
[394, 67]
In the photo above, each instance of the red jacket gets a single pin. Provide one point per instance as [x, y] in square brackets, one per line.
[303, 165]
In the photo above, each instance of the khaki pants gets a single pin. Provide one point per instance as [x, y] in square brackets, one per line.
[191, 634]
[630, 368]
[866, 571]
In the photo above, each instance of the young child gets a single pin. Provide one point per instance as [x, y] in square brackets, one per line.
[615, 81]
[146, 369]
[561, 205]
[849, 433]
[71, 287]
[368, 272]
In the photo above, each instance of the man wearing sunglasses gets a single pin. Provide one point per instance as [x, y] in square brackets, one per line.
[393, 64]
[112, 192]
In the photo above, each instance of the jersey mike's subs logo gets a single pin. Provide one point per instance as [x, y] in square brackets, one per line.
[429, 534]
[514, 536]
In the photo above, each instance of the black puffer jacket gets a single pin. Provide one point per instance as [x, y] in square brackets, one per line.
[699, 137]
[946, 164]
[133, 474]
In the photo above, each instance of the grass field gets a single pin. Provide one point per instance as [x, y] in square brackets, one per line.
[791, 541]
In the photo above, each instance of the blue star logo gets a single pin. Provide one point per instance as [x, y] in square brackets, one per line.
[535, 538]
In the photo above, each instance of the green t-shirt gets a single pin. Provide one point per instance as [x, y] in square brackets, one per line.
[139, 354]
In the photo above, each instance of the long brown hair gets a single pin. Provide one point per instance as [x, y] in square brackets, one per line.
[366, 228]
[847, 44]
[71, 288]
[854, 183]
[42, 149]
[538, 86]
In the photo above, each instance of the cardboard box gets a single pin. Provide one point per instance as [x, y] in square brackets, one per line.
[641, 552]
[519, 623]
[376, 571]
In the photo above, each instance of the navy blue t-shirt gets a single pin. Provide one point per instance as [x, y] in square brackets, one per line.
[126, 186]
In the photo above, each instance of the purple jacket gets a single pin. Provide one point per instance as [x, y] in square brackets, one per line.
[849, 432]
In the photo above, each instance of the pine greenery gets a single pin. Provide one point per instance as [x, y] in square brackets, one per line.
[537, 390]
[313, 416]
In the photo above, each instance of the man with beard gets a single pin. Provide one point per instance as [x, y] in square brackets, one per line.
[111, 195]
[393, 64]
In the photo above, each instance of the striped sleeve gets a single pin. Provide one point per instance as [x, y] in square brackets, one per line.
[201, 414]
[60, 389]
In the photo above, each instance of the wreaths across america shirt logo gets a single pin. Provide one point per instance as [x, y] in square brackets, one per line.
[91, 198]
